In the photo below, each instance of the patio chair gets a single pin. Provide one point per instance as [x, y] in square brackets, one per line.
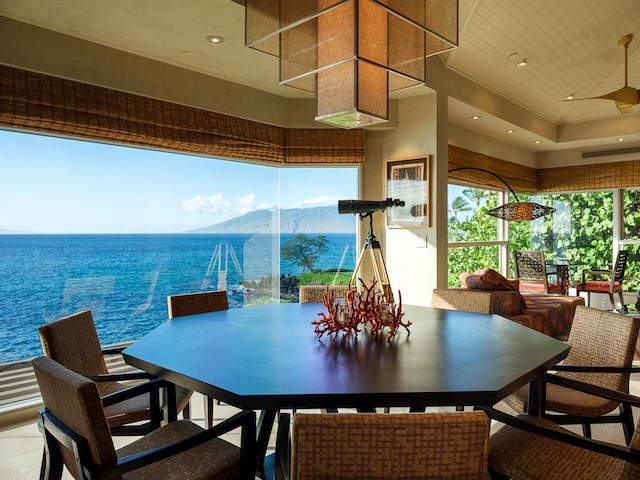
[602, 350]
[374, 445]
[192, 304]
[76, 436]
[529, 447]
[73, 342]
[315, 293]
[532, 274]
[468, 301]
[611, 286]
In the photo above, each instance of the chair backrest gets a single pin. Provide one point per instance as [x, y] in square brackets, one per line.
[315, 293]
[531, 268]
[602, 338]
[461, 299]
[73, 342]
[619, 268]
[530, 265]
[75, 401]
[408, 446]
[197, 302]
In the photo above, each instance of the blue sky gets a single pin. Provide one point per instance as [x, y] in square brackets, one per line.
[53, 185]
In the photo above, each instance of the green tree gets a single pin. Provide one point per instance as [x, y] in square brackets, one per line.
[458, 205]
[303, 250]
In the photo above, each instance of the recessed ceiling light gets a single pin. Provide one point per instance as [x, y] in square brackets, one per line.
[538, 141]
[475, 117]
[510, 131]
[518, 60]
[215, 39]
[570, 96]
[621, 139]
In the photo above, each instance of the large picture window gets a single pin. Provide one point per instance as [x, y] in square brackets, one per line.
[116, 230]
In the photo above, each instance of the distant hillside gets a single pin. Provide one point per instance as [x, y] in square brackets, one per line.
[293, 220]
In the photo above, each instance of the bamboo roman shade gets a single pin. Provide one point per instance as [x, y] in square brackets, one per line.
[52, 105]
[545, 180]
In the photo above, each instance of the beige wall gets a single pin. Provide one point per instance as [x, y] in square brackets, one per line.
[411, 253]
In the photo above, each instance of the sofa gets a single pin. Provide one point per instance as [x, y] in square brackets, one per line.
[548, 314]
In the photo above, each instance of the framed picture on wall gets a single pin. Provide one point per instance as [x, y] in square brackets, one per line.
[408, 180]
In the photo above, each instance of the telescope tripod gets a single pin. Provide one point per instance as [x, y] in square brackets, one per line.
[379, 268]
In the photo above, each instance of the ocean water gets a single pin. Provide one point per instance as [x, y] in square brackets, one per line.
[125, 279]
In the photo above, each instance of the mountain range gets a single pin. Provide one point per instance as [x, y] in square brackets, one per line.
[292, 220]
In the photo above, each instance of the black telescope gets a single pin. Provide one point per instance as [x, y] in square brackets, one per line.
[367, 206]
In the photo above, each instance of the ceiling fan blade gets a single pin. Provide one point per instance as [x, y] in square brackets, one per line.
[626, 97]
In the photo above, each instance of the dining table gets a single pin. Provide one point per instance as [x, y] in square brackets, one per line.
[269, 358]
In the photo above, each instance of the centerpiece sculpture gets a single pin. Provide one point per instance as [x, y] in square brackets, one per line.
[360, 310]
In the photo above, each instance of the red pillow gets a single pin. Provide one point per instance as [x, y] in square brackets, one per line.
[487, 279]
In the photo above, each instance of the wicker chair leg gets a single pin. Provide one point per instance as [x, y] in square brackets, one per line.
[208, 415]
[497, 476]
[186, 412]
[628, 426]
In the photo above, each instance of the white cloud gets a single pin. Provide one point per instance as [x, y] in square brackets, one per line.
[322, 201]
[217, 204]
[206, 204]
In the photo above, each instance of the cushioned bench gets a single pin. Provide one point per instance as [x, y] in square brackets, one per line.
[548, 314]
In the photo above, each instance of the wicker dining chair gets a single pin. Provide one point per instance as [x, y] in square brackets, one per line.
[73, 342]
[528, 447]
[76, 436]
[603, 342]
[315, 293]
[611, 286]
[192, 304]
[448, 445]
[532, 274]
[466, 300]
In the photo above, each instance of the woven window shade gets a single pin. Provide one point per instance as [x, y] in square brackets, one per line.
[46, 104]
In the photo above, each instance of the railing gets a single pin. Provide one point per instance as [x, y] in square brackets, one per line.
[19, 388]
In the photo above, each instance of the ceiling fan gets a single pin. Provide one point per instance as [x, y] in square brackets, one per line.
[626, 97]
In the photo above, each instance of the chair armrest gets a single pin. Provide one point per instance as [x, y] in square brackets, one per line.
[74, 442]
[594, 273]
[589, 388]
[594, 369]
[245, 419]
[113, 350]
[605, 448]
[136, 390]
[121, 377]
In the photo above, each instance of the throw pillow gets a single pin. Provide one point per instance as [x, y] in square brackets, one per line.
[487, 279]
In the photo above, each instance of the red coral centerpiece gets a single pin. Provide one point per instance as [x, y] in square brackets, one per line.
[360, 309]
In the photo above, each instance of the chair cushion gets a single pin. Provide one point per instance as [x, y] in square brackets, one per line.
[216, 458]
[487, 279]
[598, 286]
[539, 287]
[519, 454]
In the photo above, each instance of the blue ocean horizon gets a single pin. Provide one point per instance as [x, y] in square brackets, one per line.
[124, 279]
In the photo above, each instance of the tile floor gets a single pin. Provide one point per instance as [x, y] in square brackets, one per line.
[21, 446]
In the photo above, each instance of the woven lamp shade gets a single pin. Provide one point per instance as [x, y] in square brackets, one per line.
[352, 53]
[514, 211]
[520, 211]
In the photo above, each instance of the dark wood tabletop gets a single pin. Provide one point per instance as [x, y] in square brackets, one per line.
[268, 357]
